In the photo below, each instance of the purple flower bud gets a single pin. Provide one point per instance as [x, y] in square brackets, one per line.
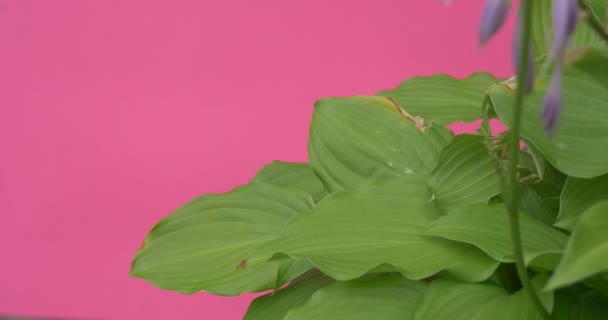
[529, 83]
[492, 19]
[564, 23]
[552, 103]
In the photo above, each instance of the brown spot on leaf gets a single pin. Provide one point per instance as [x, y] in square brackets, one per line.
[143, 244]
[417, 120]
[510, 84]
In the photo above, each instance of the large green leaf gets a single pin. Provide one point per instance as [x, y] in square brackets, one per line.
[349, 233]
[582, 128]
[274, 306]
[466, 173]
[587, 251]
[292, 175]
[579, 195]
[579, 305]
[542, 29]
[377, 297]
[442, 99]
[487, 227]
[453, 300]
[202, 245]
[353, 140]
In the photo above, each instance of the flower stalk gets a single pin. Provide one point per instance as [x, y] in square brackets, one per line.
[513, 199]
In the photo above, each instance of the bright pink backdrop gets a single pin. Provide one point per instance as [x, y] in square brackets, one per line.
[113, 113]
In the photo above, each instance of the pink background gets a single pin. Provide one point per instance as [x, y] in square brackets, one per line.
[113, 113]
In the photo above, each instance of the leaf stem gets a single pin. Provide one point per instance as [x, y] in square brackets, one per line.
[513, 198]
[593, 23]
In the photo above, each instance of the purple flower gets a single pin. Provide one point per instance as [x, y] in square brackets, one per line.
[492, 18]
[529, 83]
[552, 103]
[564, 23]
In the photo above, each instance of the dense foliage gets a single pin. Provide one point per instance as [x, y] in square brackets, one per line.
[394, 217]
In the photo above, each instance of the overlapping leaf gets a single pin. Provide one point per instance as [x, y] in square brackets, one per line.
[350, 233]
[292, 175]
[377, 297]
[592, 62]
[552, 179]
[587, 251]
[274, 306]
[442, 99]
[579, 195]
[466, 173]
[202, 245]
[452, 300]
[487, 227]
[353, 140]
[531, 204]
[582, 128]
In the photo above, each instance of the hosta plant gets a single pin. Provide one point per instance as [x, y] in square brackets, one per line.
[395, 217]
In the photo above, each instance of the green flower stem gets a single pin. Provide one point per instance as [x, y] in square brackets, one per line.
[513, 199]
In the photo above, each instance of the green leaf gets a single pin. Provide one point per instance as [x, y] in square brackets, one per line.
[531, 204]
[487, 227]
[552, 180]
[506, 277]
[579, 195]
[599, 8]
[583, 126]
[542, 30]
[466, 173]
[353, 140]
[274, 306]
[349, 233]
[202, 245]
[599, 282]
[290, 269]
[453, 300]
[292, 175]
[377, 297]
[592, 62]
[442, 99]
[587, 251]
[579, 305]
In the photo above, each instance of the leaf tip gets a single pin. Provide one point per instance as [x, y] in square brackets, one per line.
[552, 285]
[135, 270]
